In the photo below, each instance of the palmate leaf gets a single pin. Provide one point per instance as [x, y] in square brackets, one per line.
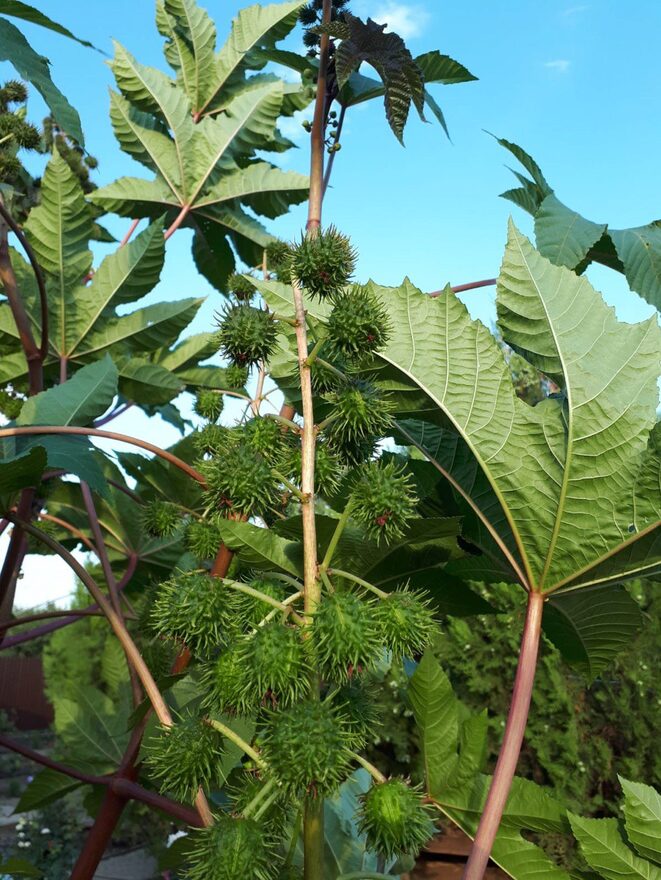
[36, 69]
[200, 135]
[78, 401]
[453, 752]
[46, 787]
[367, 42]
[565, 472]
[568, 239]
[604, 848]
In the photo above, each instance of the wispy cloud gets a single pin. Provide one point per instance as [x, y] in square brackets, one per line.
[406, 19]
[571, 11]
[561, 65]
[292, 126]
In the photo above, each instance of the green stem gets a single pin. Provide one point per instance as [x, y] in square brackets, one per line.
[337, 534]
[296, 833]
[287, 423]
[284, 319]
[313, 839]
[245, 747]
[312, 357]
[328, 366]
[289, 485]
[261, 794]
[263, 597]
[357, 580]
[374, 772]
[326, 581]
[267, 803]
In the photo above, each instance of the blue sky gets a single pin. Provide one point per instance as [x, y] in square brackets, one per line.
[575, 84]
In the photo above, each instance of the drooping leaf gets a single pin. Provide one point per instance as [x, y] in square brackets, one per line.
[36, 69]
[78, 401]
[367, 42]
[563, 236]
[92, 726]
[642, 818]
[22, 470]
[591, 627]
[603, 846]
[147, 383]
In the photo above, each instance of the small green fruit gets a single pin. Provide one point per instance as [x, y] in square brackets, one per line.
[250, 610]
[345, 636]
[209, 404]
[185, 757]
[406, 622]
[306, 748]
[233, 848]
[359, 325]
[360, 412]
[383, 500]
[235, 376]
[240, 480]
[276, 667]
[395, 819]
[225, 685]
[323, 263]
[195, 609]
[160, 518]
[246, 335]
[203, 539]
[241, 287]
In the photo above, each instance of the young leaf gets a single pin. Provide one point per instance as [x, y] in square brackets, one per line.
[604, 848]
[642, 817]
[261, 548]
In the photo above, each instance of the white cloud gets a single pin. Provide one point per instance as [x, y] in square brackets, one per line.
[407, 20]
[561, 65]
[291, 126]
[571, 11]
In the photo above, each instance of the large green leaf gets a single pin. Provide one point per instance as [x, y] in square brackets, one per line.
[564, 472]
[190, 47]
[591, 627]
[568, 239]
[642, 817]
[36, 70]
[17, 471]
[78, 401]
[144, 382]
[604, 848]
[91, 726]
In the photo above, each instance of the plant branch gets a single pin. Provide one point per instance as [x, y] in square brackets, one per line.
[129, 232]
[338, 572]
[512, 740]
[331, 158]
[109, 435]
[472, 285]
[179, 219]
[318, 129]
[373, 771]
[38, 275]
[337, 534]
[245, 747]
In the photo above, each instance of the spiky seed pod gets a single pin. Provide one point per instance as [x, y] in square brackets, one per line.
[266, 436]
[278, 259]
[209, 404]
[185, 757]
[10, 406]
[224, 683]
[246, 335]
[323, 263]
[383, 500]
[233, 848]
[236, 376]
[240, 480]
[195, 609]
[275, 663]
[310, 39]
[359, 324]
[308, 16]
[354, 701]
[14, 92]
[360, 412]
[306, 748]
[241, 287]
[345, 636]
[250, 611]
[213, 440]
[351, 451]
[160, 518]
[406, 622]
[395, 819]
[203, 539]
[328, 469]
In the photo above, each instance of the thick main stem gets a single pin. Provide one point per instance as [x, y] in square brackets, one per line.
[512, 740]
[313, 839]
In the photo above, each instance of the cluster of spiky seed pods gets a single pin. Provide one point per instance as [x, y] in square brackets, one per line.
[298, 681]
